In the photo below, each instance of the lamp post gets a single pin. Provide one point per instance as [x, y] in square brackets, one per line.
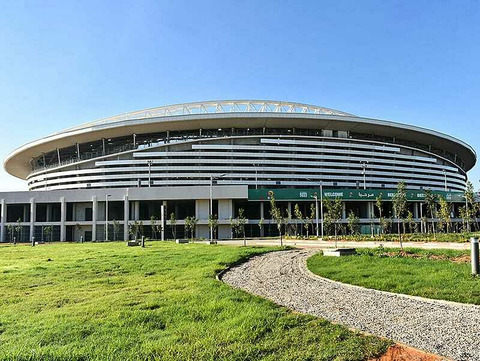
[321, 210]
[106, 216]
[211, 202]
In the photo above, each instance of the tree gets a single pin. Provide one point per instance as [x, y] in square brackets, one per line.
[353, 223]
[240, 224]
[372, 225]
[233, 227]
[213, 224]
[412, 225]
[444, 214]
[140, 228]
[288, 221]
[190, 224]
[18, 229]
[172, 222]
[11, 231]
[153, 226]
[134, 229]
[379, 205]
[48, 231]
[260, 224]
[308, 220]
[399, 201]
[299, 216]
[277, 217]
[333, 214]
[79, 229]
[431, 204]
[116, 229]
[471, 205]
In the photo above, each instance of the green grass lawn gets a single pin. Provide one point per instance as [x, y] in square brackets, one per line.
[105, 301]
[433, 274]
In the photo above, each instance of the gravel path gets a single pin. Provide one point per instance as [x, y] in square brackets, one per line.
[447, 329]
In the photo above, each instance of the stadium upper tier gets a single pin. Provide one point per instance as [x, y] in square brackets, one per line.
[256, 143]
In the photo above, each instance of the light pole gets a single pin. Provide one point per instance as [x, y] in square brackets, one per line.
[149, 172]
[211, 202]
[106, 216]
[321, 209]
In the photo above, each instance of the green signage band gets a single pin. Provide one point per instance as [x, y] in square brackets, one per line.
[289, 194]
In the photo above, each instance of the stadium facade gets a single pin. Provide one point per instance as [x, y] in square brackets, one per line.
[215, 157]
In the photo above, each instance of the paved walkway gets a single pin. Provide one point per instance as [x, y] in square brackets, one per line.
[443, 328]
[331, 244]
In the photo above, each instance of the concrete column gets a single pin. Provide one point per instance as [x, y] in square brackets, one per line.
[415, 210]
[202, 211]
[48, 216]
[32, 218]
[63, 216]
[165, 218]
[225, 212]
[126, 216]
[262, 215]
[25, 213]
[137, 210]
[3, 215]
[94, 218]
[162, 220]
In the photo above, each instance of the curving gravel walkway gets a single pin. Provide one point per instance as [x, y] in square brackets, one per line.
[443, 328]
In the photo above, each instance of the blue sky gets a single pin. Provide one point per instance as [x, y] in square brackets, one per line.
[63, 63]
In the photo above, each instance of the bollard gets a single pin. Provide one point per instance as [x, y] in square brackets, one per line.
[474, 255]
[33, 241]
[81, 239]
[143, 241]
[14, 240]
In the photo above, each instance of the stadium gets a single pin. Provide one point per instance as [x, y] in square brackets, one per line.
[212, 158]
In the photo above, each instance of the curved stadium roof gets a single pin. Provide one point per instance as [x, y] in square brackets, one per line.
[223, 114]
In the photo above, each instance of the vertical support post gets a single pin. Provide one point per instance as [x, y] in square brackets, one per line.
[78, 151]
[126, 216]
[474, 256]
[321, 208]
[316, 215]
[106, 217]
[48, 217]
[63, 216]
[58, 155]
[32, 218]
[2, 220]
[137, 210]
[211, 207]
[94, 218]
[262, 216]
[162, 219]
[422, 230]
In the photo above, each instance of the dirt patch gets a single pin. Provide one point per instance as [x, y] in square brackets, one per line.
[403, 353]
